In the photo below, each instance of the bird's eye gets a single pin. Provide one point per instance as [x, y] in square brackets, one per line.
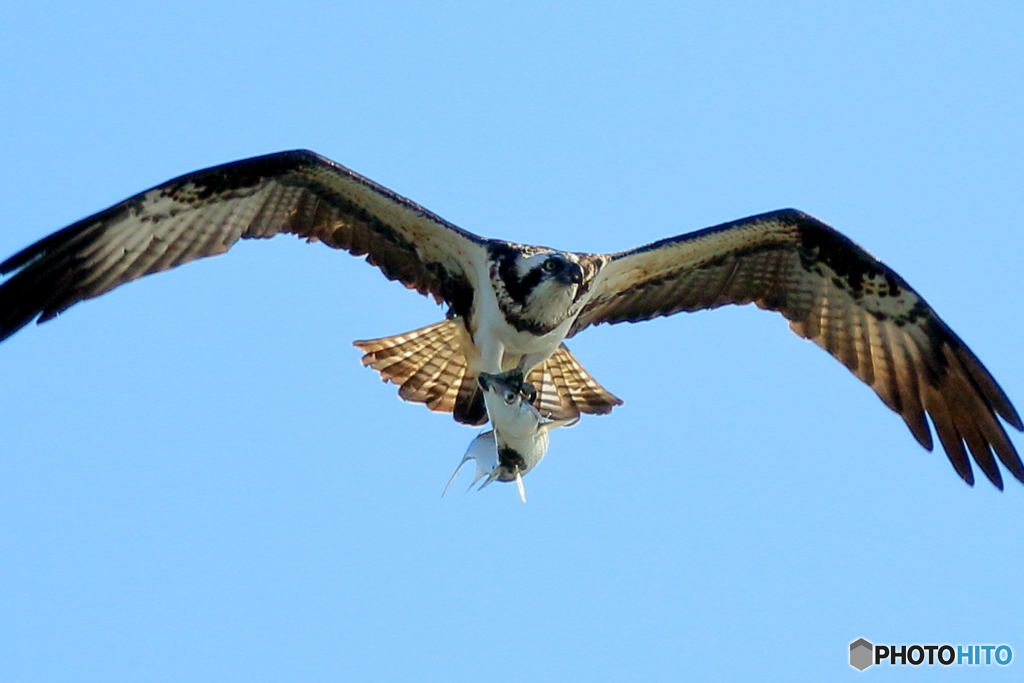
[550, 266]
[510, 397]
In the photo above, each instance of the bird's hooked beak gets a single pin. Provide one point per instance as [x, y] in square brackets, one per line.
[571, 274]
[485, 381]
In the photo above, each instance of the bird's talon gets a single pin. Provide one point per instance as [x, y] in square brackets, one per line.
[529, 392]
[513, 378]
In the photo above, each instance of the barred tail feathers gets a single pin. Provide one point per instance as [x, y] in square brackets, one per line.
[565, 389]
[429, 365]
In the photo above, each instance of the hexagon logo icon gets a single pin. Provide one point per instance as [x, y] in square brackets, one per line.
[862, 654]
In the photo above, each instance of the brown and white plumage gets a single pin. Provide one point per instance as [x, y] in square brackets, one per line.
[512, 305]
[429, 367]
[205, 213]
[843, 299]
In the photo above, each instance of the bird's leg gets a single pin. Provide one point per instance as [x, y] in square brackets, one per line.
[513, 378]
[529, 392]
[494, 352]
[526, 364]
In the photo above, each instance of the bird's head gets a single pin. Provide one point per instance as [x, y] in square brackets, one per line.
[552, 266]
[549, 278]
[537, 286]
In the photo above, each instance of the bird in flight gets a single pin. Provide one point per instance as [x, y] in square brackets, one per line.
[511, 306]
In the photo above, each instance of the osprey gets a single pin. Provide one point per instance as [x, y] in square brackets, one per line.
[519, 438]
[511, 306]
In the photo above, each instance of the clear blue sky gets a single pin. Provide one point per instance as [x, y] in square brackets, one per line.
[198, 480]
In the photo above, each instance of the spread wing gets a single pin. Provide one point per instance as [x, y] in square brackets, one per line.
[842, 298]
[204, 213]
